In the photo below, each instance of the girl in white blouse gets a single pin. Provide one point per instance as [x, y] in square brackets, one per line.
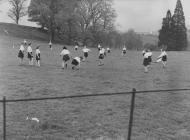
[85, 51]
[101, 56]
[30, 56]
[124, 51]
[38, 56]
[65, 53]
[21, 53]
[162, 58]
[76, 62]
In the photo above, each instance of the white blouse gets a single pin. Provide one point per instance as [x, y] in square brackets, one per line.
[29, 49]
[78, 59]
[65, 52]
[37, 51]
[85, 50]
[124, 49]
[21, 48]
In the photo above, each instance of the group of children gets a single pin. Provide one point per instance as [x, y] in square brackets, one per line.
[147, 54]
[29, 53]
[76, 61]
[66, 56]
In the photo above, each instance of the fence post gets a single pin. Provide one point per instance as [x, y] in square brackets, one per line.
[4, 118]
[131, 113]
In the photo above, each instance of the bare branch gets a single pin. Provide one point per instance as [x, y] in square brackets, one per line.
[17, 10]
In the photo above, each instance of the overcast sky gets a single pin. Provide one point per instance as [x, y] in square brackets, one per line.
[141, 15]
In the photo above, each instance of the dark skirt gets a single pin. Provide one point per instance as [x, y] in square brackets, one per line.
[86, 54]
[20, 54]
[146, 62]
[30, 55]
[74, 62]
[101, 56]
[66, 58]
[164, 58]
[149, 59]
[38, 57]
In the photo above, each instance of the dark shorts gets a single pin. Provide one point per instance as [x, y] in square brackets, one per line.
[20, 54]
[74, 62]
[101, 56]
[86, 54]
[66, 58]
[146, 62]
[76, 49]
[109, 51]
[50, 46]
[38, 57]
[30, 55]
[164, 58]
[124, 52]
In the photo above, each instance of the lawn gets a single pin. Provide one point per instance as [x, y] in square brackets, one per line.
[158, 116]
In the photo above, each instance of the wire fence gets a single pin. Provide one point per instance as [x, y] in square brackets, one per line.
[133, 94]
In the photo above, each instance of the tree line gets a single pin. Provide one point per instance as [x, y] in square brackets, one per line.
[88, 22]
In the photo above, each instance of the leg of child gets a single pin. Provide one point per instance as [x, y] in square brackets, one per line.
[20, 60]
[73, 67]
[31, 61]
[78, 66]
[164, 64]
[145, 69]
[100, 62]
[63, 64]
[39, 63]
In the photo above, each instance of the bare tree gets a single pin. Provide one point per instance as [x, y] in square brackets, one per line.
[17, 10]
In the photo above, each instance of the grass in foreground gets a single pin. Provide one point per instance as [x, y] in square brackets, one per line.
[157, 115]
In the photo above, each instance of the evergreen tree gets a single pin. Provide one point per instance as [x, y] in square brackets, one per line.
[173, 32]
[178, 28]
[166, 31]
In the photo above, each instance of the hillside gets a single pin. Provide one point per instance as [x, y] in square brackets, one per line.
[25, 32]
[33, 33]
[20, 31]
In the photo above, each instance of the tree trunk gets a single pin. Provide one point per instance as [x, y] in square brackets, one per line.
[52, 35]
[52, 32]
[17, 19]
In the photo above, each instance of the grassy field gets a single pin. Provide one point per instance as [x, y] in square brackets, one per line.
[158, 116]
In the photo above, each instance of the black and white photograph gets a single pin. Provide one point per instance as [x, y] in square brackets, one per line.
[94, 70]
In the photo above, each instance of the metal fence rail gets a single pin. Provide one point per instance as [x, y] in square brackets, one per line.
[91, 95]
[132, 107]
